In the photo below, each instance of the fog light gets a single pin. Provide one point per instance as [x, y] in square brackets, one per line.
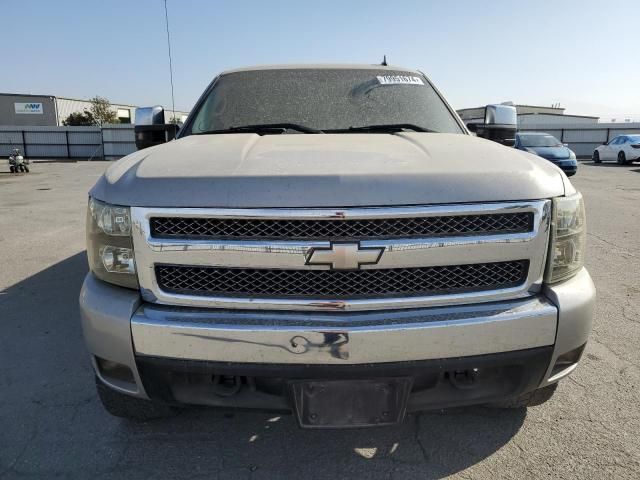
[114, 370]
[566, 360]
[117, 259]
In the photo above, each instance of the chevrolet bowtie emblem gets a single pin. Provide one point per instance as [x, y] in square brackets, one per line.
[344, 256]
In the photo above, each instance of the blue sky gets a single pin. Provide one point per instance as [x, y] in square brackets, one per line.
[583, 54]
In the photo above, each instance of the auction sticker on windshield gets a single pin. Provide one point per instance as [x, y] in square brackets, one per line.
[399, 80]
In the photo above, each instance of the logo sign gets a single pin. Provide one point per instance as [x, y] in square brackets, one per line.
[29, 108]
[344, 256]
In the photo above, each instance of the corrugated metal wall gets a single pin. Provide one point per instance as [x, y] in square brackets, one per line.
[110, 141]
[557, 120]
[118, 140]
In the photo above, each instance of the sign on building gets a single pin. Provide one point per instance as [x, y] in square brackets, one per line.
[29, 108]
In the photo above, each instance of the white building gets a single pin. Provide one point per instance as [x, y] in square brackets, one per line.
[67, 106]
[48, 110]
[532, 114]
[125, 113]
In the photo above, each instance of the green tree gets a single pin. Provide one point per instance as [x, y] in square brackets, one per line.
[102, 111]
[79, 119]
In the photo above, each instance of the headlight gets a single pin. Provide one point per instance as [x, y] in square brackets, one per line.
[109, 244]
[572, 154]
[568, 238]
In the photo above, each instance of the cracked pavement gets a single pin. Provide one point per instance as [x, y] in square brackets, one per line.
[52, 425]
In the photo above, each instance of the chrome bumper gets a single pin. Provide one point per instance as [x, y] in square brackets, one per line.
[118, 327]
[338, 339]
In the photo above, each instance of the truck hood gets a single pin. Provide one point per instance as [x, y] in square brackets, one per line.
[326, 170]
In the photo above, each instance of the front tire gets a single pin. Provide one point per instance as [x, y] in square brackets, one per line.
[12, 169]
[530, 399]
[131, 408]
[622, 158]
[596, 157]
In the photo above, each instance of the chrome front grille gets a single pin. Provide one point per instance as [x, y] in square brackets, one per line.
[340, 229]
[335, 284]
[265, 259]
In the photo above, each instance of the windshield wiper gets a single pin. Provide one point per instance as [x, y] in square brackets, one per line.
[263, 128]
[391, 127]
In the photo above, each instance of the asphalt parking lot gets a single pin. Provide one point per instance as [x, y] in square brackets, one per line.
[52, 425]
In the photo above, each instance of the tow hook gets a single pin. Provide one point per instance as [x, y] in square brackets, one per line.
[226, 385]
[464, 379]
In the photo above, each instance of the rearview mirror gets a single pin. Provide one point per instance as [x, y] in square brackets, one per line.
[500, 124]
[151, 129]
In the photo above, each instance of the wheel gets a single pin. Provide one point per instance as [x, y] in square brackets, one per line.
[26, 169]
[622, 159]
[530, 399]
[596, 157]
[132, 408]
[21, 168]
[12, 169]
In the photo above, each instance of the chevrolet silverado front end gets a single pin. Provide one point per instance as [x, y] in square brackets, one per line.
[330, 240]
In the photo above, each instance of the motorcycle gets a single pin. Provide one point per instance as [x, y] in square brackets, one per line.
[17, 163]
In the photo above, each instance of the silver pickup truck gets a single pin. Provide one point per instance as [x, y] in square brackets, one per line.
[331, 240]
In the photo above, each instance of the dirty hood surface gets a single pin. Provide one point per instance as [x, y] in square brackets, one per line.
[332, 170]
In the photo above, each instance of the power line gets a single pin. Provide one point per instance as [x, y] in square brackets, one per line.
[173, 103]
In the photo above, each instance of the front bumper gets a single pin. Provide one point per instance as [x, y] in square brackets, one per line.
[434, 383]
[119, 328]
[568, 166]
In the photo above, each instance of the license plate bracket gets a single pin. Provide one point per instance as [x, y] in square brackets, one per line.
[351, 403]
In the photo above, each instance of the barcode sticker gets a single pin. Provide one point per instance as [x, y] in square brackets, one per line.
[399, 80]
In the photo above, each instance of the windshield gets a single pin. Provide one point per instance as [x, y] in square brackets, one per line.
[322, 99]
[538, 141]
[634, 138]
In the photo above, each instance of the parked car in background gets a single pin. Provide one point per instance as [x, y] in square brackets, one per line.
[623, 148]
[548, 147]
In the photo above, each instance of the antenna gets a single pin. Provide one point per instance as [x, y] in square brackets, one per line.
[173, 103]
[384, 58]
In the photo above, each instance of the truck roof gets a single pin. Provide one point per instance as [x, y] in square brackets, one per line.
[325, 66]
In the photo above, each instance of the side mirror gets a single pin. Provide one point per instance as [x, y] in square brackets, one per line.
[500, 116]
[149, 116]
[150, 128]
[500, 124]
